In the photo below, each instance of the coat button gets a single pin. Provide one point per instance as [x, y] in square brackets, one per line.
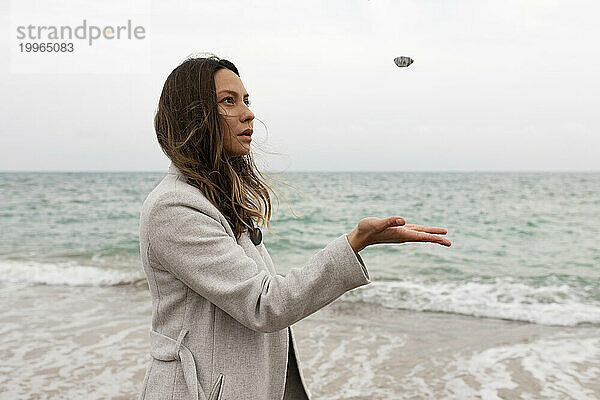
[256, 236]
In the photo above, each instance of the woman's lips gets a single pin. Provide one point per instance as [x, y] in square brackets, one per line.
[245, 137]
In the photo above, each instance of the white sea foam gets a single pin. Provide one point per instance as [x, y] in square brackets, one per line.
[560, 364]
[553, 304]
[66, 273]
[502, 298]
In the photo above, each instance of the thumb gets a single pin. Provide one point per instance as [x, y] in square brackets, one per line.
[395, 221]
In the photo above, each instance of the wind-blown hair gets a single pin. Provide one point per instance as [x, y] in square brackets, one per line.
[189, 131]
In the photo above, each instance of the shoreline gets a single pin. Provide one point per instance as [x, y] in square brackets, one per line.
[82, 342]
[439, 355]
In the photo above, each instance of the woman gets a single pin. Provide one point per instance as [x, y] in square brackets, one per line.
[222, 316]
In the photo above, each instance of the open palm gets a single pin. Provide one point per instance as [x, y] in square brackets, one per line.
[373, 230]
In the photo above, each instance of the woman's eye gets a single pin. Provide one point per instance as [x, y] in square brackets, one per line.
[247, 101]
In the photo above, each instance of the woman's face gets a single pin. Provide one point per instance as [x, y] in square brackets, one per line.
[236, 117]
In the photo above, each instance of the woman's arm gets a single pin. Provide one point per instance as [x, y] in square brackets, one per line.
[196, 249]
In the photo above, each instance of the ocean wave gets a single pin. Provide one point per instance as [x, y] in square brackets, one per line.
[504, 298]
[548, 301]
[68, 273]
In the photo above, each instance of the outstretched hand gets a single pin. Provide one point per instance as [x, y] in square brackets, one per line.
[373, 230]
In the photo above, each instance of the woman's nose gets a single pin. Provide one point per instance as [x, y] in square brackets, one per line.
[247, 115]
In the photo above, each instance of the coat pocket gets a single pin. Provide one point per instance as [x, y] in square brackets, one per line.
[217, 389]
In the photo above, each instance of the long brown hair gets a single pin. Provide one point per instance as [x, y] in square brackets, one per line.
[189, 131]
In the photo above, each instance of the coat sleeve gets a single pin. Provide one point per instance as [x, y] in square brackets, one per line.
[196, 249]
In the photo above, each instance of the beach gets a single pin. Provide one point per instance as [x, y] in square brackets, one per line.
[510, 311]
[69, 342]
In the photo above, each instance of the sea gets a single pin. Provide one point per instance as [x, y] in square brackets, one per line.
[525, 248]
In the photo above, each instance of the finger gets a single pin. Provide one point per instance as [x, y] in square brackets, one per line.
[417, 236]
[428, 229]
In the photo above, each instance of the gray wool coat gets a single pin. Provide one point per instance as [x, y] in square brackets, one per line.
[221, 315]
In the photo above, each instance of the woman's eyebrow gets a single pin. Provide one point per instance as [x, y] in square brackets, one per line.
[232, 92]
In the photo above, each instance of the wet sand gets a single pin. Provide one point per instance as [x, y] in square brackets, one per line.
[59, 342]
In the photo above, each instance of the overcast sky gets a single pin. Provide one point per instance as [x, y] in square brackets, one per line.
[495, 86]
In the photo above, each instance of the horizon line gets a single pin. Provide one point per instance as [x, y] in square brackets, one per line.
[306, 171]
